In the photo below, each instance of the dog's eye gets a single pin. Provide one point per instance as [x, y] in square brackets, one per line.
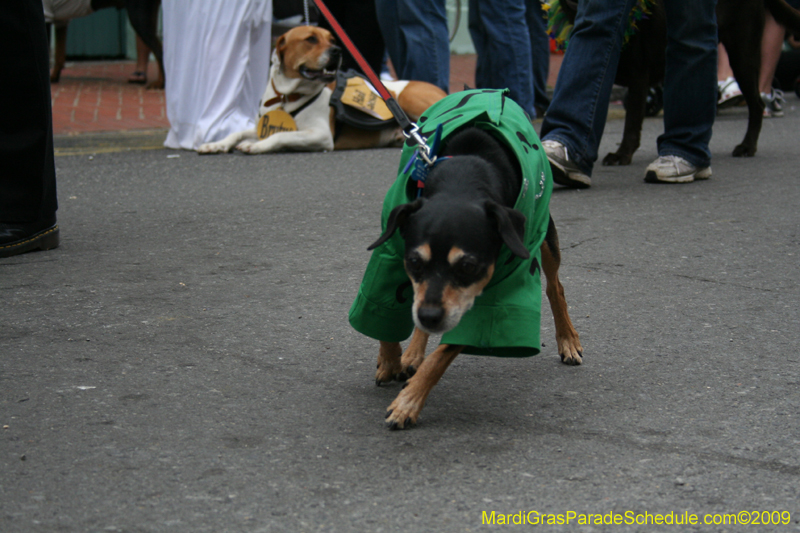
[312, 39]
[414, 265]
[467, 269]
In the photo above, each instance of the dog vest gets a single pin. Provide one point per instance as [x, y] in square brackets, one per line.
[504, 320]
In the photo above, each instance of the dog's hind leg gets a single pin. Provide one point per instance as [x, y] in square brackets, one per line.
[392, 367]
[388, 362]
[745, 61]
[404, 410]
[634, 116]
[569, 344]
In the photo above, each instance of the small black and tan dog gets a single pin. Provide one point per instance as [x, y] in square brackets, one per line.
[642, 61]
[453, 236]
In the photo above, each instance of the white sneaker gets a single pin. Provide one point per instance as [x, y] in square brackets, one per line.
[773, 103]
[674, 169]
[729, 93]
[565, 172]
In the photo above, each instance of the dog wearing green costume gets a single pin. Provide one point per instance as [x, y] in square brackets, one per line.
[464, 244]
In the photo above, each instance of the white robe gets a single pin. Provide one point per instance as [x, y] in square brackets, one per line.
[63, 11]
[216, 61]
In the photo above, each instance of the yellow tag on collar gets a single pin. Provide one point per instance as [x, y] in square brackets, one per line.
[359, 95]
[275, 121]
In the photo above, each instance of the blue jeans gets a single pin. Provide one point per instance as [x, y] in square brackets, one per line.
[500, 34]
[417, 39]
[577, 114]
[540, 51]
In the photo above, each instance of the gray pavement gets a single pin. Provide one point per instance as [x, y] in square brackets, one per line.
[183, 362]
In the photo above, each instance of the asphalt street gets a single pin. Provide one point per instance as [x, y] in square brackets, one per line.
[183, 361]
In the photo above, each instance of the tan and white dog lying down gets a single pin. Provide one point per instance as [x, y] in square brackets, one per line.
[304, 63]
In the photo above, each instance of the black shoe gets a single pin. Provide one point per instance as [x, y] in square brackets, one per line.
[20, 237]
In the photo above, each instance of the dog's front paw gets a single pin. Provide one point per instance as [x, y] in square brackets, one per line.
[246, 147]
[410, 362]
[213, 148]
[404, 410]
[744, 150]
[388, 370]
[570, 351]
[254, 147]
[388, 362]
[406, 373]
[616, 158]
[393, 372]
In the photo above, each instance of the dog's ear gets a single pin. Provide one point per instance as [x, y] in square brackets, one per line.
[397, 219]
[280, 46]
[510, 225]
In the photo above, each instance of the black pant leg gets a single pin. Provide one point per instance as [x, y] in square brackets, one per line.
[27, 172]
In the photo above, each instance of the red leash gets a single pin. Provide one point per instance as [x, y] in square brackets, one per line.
[410, 129]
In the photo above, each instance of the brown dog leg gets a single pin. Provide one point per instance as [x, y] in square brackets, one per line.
[388, 362]
[414, 354]
[404, 410]
[569, 345]
[392, 367]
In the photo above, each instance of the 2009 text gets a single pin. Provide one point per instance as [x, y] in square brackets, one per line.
[537, 518]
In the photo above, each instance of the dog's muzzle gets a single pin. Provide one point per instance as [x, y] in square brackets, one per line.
[328, 72]
[430, 318]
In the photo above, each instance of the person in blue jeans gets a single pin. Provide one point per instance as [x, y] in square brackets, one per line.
[499, 30]
[574, 123]
[417, 39]
[540, 54]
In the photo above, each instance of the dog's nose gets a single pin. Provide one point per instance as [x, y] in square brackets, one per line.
[335, 51]
[430, 317]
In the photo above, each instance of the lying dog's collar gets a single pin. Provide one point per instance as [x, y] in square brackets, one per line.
[305, 105]
[281, 98]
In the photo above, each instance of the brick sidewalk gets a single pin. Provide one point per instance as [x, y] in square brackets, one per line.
[462, 71]
[96, 96]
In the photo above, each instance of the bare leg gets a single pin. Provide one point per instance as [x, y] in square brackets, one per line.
[60, 54]
[142, 59]
[723, 64]
[771, 43]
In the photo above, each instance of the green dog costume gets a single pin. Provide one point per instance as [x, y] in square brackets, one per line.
[505, 319]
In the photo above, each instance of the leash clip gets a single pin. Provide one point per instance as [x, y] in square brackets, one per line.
[423, 150]
[424, 158]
